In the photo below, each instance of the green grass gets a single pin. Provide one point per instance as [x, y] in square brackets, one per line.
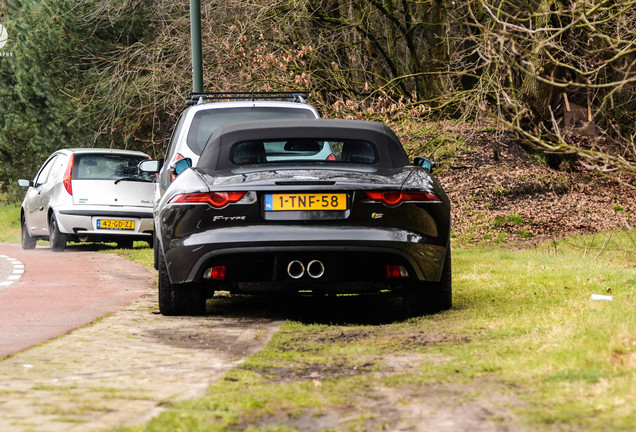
[141, 253]
[9, 223]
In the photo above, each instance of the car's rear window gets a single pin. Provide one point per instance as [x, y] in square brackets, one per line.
[206, 122]
[303, 151]
[100, 166]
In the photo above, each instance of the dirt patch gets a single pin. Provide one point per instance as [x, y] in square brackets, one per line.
[482, 405]
[501, 192]
[419, 340]
[230, 338]
[443, 408]
[405, 341]
[339, 368]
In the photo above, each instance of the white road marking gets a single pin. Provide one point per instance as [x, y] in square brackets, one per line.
[16, 274]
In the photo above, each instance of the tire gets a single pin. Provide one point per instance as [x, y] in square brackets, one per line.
[125, 243]
[442, 298]
[28, 242]
[430, 297]
[57, 238]
[155, 251]
[179, 299]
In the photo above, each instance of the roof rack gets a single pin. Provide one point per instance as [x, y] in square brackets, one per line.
[290, 96]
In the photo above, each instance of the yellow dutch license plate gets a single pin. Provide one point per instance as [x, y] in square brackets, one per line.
[319, 201]
[115, 224]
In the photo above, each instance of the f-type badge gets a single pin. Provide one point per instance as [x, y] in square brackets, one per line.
[229, 218]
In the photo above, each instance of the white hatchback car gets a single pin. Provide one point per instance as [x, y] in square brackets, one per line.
[88, 195]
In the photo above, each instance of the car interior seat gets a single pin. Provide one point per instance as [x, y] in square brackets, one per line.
[357, 152]
[251, 152]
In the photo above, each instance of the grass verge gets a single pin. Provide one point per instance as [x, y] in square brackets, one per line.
[9, 223]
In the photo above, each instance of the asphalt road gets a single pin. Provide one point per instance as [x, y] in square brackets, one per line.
[45, 294]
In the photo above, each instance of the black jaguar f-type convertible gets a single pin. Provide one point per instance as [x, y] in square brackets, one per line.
[304, 207]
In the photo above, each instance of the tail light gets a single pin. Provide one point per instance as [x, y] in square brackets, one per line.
[68, 176]
[215, 199]
[394, 271]
[394, 198]
[216, 272]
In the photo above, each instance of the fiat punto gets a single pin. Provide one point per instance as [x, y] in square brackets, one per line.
[88, 195]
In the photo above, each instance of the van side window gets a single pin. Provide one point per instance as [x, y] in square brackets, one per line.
[172, 145]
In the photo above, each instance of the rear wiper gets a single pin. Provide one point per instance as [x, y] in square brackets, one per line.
[132, 179]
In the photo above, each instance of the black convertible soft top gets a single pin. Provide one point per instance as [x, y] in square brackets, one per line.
[216, 155]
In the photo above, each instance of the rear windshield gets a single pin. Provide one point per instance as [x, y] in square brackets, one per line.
[205, 122]
[303, 151]
[109, 167]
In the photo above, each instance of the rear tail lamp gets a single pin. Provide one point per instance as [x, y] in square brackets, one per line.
[216, 272]
[394, 198]
[394, 271]
[215, 199]
[68, 175]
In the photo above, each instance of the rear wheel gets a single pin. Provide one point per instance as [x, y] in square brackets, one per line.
[427, 297]
[57, 238]
[28, 242]
[125, 243]
[179, 299]
[442, 298]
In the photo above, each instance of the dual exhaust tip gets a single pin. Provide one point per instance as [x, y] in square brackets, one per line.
[296, 269]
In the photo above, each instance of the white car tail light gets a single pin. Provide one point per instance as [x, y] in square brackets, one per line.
[68, 175]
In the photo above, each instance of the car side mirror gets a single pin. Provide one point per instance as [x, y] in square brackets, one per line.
[25, 183]
[423, 162]
[150, 166]
[180, 166]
